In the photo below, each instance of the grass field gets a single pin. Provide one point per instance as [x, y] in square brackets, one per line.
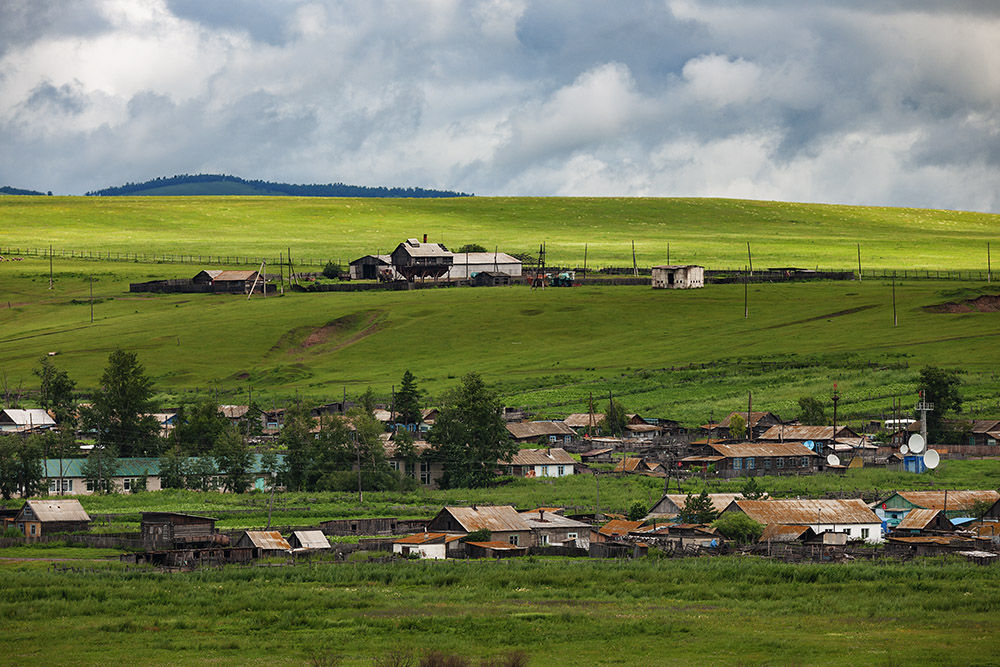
[688, 355]
[712, 232]
[693, 611]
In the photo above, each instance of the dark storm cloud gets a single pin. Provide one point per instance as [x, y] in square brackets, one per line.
[844, 102]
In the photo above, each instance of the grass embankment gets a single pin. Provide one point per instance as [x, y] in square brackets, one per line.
[687, 355]
[712, 232]
[578, 493]
[694, 611]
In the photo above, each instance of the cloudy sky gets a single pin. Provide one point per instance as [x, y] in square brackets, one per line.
[779, 99]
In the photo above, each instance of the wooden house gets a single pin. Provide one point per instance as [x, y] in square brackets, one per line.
[549, 462]
[678, 276]
[918, 521]
[308, 540]
[502, 521]
[240, 282]
[264, 543]
[952, 503]
[494, 549]
[670, 504]
[46, 517]
[754, 458]
[373, 267]
[541, 432]
[550, 528]
[639, 466]
[851, 517]
[598, 455]
[413, 259]
[174, 530]
[491, 279]
[757, 423]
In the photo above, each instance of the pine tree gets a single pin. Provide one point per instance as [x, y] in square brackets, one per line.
[408, 400]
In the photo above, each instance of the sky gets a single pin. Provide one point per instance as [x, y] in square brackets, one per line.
[895, 102]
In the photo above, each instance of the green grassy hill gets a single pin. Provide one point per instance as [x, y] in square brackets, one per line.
[712, 232]
[683, 354]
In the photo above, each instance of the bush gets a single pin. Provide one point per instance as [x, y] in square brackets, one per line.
[738, 527]
[332, 270]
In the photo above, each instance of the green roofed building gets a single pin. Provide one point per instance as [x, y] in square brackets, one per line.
[65, 476]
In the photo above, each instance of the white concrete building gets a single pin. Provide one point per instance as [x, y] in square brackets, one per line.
[468, 264]
[675, 276]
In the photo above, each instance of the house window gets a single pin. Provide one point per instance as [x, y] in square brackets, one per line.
[394, 465]
[33, 526]
[513, 540]
[864, 533]
[52, 485]
[545, 540]
[425, 472]
[127, 484]
[552, 438]
[780, 462]
[972, 439]
[570, 536]
[991, 442]
[805, 461]
[767, 464]
[562, 471]
[737, 463]
[90, 485]
[750, 463]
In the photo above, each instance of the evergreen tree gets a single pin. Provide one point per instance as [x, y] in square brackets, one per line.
[698, 509]
[470, 435]
[614, 420]
[119, 410]
[55, 393]
[940, 387]
[198, 427]
[200, 473]
[300, 448]
[408, 400]
[737, 427]
[752, 489]
[173, 468]
[100, 469]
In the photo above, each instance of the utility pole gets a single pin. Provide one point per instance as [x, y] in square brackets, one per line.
[746, 294]
[668, 254]
[835, 398]
[859, 262]
[749, 258]
[585, 261]
[749, 432]
[635, 268]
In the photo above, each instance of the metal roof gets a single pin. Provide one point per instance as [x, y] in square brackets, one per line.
[720, 501]
[541, 457]
[805, 432]
[806, 511]
[29, 417]
[632, 464]
[424, 538]
[763, 449]
[957, 500]
[471, 258]
[497, 546]
[311, 539]
[521, 430]
[985, 425]
[582, 419]
[619, 527]
[415, 248]
[234, 411]
[270, 540]
[233, 276]
[552, 520]
[130, 467]
[64, 509]
[754, 418]
[597, 452]
[917, 519]
[495, 518]
[677, 266]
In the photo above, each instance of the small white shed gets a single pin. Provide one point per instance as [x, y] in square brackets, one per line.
[675, 276]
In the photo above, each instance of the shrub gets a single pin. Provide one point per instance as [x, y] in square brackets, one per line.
[738, 527]
[332, 270]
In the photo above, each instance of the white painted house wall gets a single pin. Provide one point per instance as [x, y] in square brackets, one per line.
[553, 470]
[468, 264]
[431, 551]
[854, 530]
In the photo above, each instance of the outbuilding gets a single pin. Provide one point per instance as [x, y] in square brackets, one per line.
[308, 540]
[45, 517]
[678, 276]
[264, 543]
[173, 530]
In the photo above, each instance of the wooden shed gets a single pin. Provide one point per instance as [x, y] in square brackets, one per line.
[308, 540]
[172, 530]
[264, 543]
[45, 517]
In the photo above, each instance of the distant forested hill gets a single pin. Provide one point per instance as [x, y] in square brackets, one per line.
[221, 184]
[7, 190]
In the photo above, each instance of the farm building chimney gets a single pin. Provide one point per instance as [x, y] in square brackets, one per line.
[425, 238]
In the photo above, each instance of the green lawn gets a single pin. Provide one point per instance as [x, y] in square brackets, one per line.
[687, 355]
[693, 611]
[713, 232]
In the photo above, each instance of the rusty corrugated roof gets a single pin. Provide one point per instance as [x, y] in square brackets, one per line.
[538, 429]
[807, 511]
[421, 538]
[805, 432]
[270, 540]
[494, 518]
[917, 519]
[583, 419]
[617, 527]
[497, 546]
[957, 500]
[748, 449]
[720, 501]
[775, 532]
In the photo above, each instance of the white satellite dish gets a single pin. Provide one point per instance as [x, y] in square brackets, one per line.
[932, 459]
[833, 460]
[916, 443]
[904, 450]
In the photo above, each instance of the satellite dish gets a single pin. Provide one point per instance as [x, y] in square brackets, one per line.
[932, 459]
[833, 460]
[810, 444]
[916, 443]
[904, 450]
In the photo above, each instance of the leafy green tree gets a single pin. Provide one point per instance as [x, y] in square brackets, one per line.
[21, 466]
[100, 468]
[141, 483]
[698, 509]
[55, 393]
[752, 489]
[233, 460]
[173, 468]
[408, 400]
[198, 427]
[119, 408]
[614, 419]
[637, 511]
[811, 411]
[940, 387]
[368, 401]
[738, 527]
[481, 535]
[300, 446]
[200, 474]
[470, 436]
[472, 247]
[332, 270]
[737, 427]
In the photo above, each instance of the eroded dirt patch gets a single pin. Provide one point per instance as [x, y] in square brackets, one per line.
[987, 303]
